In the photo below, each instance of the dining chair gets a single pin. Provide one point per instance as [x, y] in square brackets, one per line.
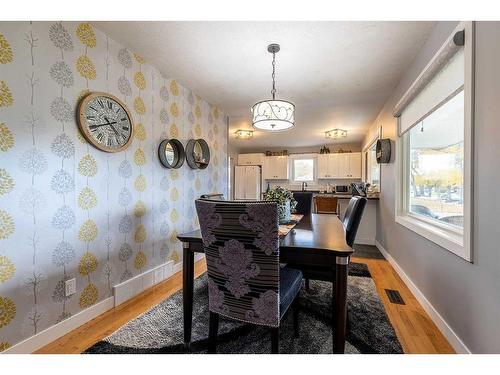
[213, 196]
[326, 205]
[304, 202]
[352, 218]
[245, 280]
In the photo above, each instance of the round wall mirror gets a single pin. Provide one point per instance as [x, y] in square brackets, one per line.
[197, 153]
[171, 153]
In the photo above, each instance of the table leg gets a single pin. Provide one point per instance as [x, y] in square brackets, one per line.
[187, 291]
[340, 304]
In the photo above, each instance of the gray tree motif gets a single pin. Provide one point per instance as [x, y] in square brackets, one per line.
[125, 252]
[33, 161]
[164, 229]
[125, 276]
[63, 146]
[62, 74]
[210, 118]
[64, 218]
[190, 212]
[60, 37]
[62, 182]
[164, 251]
[61, 110]
[126, 224]
[191, 118]
[63, 254]
[164, 206]
[125, 169]
[59, 293]
[164, 95]
[164, 119]
[190, 98]
[124, 86]
[124, 58]
[165, 183]
[124, 198]
[31, 201]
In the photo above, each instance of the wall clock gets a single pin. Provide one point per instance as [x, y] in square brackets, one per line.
[105, 122]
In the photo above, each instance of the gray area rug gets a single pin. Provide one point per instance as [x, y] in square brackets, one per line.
[160, 330]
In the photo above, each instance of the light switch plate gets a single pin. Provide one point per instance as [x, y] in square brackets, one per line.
[70, 287]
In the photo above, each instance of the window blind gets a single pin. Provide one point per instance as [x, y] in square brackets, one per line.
[440, 80]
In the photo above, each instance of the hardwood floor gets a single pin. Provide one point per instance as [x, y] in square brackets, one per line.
[415, 330]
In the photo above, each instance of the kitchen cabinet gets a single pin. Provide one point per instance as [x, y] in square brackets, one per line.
[250, 159]
[328, 166]
[344, 165]
[275, 168]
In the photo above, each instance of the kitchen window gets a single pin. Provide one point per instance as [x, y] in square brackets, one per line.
[434, 148]
[303, 169]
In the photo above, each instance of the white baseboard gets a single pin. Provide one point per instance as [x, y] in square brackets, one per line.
[60, 329]
[447, 331]
[142, 281]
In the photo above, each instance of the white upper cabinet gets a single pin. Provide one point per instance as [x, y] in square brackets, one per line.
[275, 168]
[345, 165]
[250, 159]
[328, 166]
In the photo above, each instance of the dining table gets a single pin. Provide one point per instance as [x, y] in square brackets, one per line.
[316, 245]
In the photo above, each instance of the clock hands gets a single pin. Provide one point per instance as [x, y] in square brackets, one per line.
[99, 125]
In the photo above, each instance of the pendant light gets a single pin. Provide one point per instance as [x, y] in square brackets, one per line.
[273, 115]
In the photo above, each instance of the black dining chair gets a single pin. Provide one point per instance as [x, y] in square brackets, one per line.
[304, 202]
[352, 218]
[213, 196]
[245, 280]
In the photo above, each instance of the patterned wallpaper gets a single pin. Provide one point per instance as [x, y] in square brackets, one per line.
[69, 210]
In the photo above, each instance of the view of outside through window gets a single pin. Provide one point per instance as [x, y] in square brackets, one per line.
[303, 170]
[372, 167]
[436, 150]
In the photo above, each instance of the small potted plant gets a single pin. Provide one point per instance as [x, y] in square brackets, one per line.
[285, 200]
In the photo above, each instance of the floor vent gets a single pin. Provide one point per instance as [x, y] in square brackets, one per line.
[395, 297]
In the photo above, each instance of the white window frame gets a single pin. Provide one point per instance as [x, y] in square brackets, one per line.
[456, 241]
[364, 161]
[312, 157]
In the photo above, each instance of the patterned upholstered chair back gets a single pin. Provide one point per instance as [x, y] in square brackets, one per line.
[242, 251]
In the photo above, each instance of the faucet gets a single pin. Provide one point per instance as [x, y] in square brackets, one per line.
[304, 185]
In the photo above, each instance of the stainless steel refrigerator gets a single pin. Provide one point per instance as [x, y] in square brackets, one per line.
[247, 182]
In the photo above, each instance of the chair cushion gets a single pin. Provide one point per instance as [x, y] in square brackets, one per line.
[290, 284]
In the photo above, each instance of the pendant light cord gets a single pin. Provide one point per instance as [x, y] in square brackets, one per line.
[273, 90]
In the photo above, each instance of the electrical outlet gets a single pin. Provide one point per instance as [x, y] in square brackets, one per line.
[70, 287]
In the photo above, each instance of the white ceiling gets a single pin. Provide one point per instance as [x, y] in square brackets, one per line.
[338, 74]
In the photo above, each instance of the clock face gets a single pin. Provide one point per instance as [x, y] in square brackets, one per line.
[106, 122]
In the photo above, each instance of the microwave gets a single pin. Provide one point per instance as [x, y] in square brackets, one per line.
[342, 189]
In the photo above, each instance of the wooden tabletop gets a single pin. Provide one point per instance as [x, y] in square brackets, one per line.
[319, 232]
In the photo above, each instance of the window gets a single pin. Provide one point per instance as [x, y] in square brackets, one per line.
[303, 170]
[372, 171]
[436, 171]
[434, 153]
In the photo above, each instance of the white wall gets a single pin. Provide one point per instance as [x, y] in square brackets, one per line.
[466, 295]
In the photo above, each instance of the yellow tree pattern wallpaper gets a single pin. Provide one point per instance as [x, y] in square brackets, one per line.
[68, 210]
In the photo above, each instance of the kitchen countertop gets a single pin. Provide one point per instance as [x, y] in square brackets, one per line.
[322, 194]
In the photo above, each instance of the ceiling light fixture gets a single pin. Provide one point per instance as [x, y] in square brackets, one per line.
[244, 134]
[336, 134]
[273, 115]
